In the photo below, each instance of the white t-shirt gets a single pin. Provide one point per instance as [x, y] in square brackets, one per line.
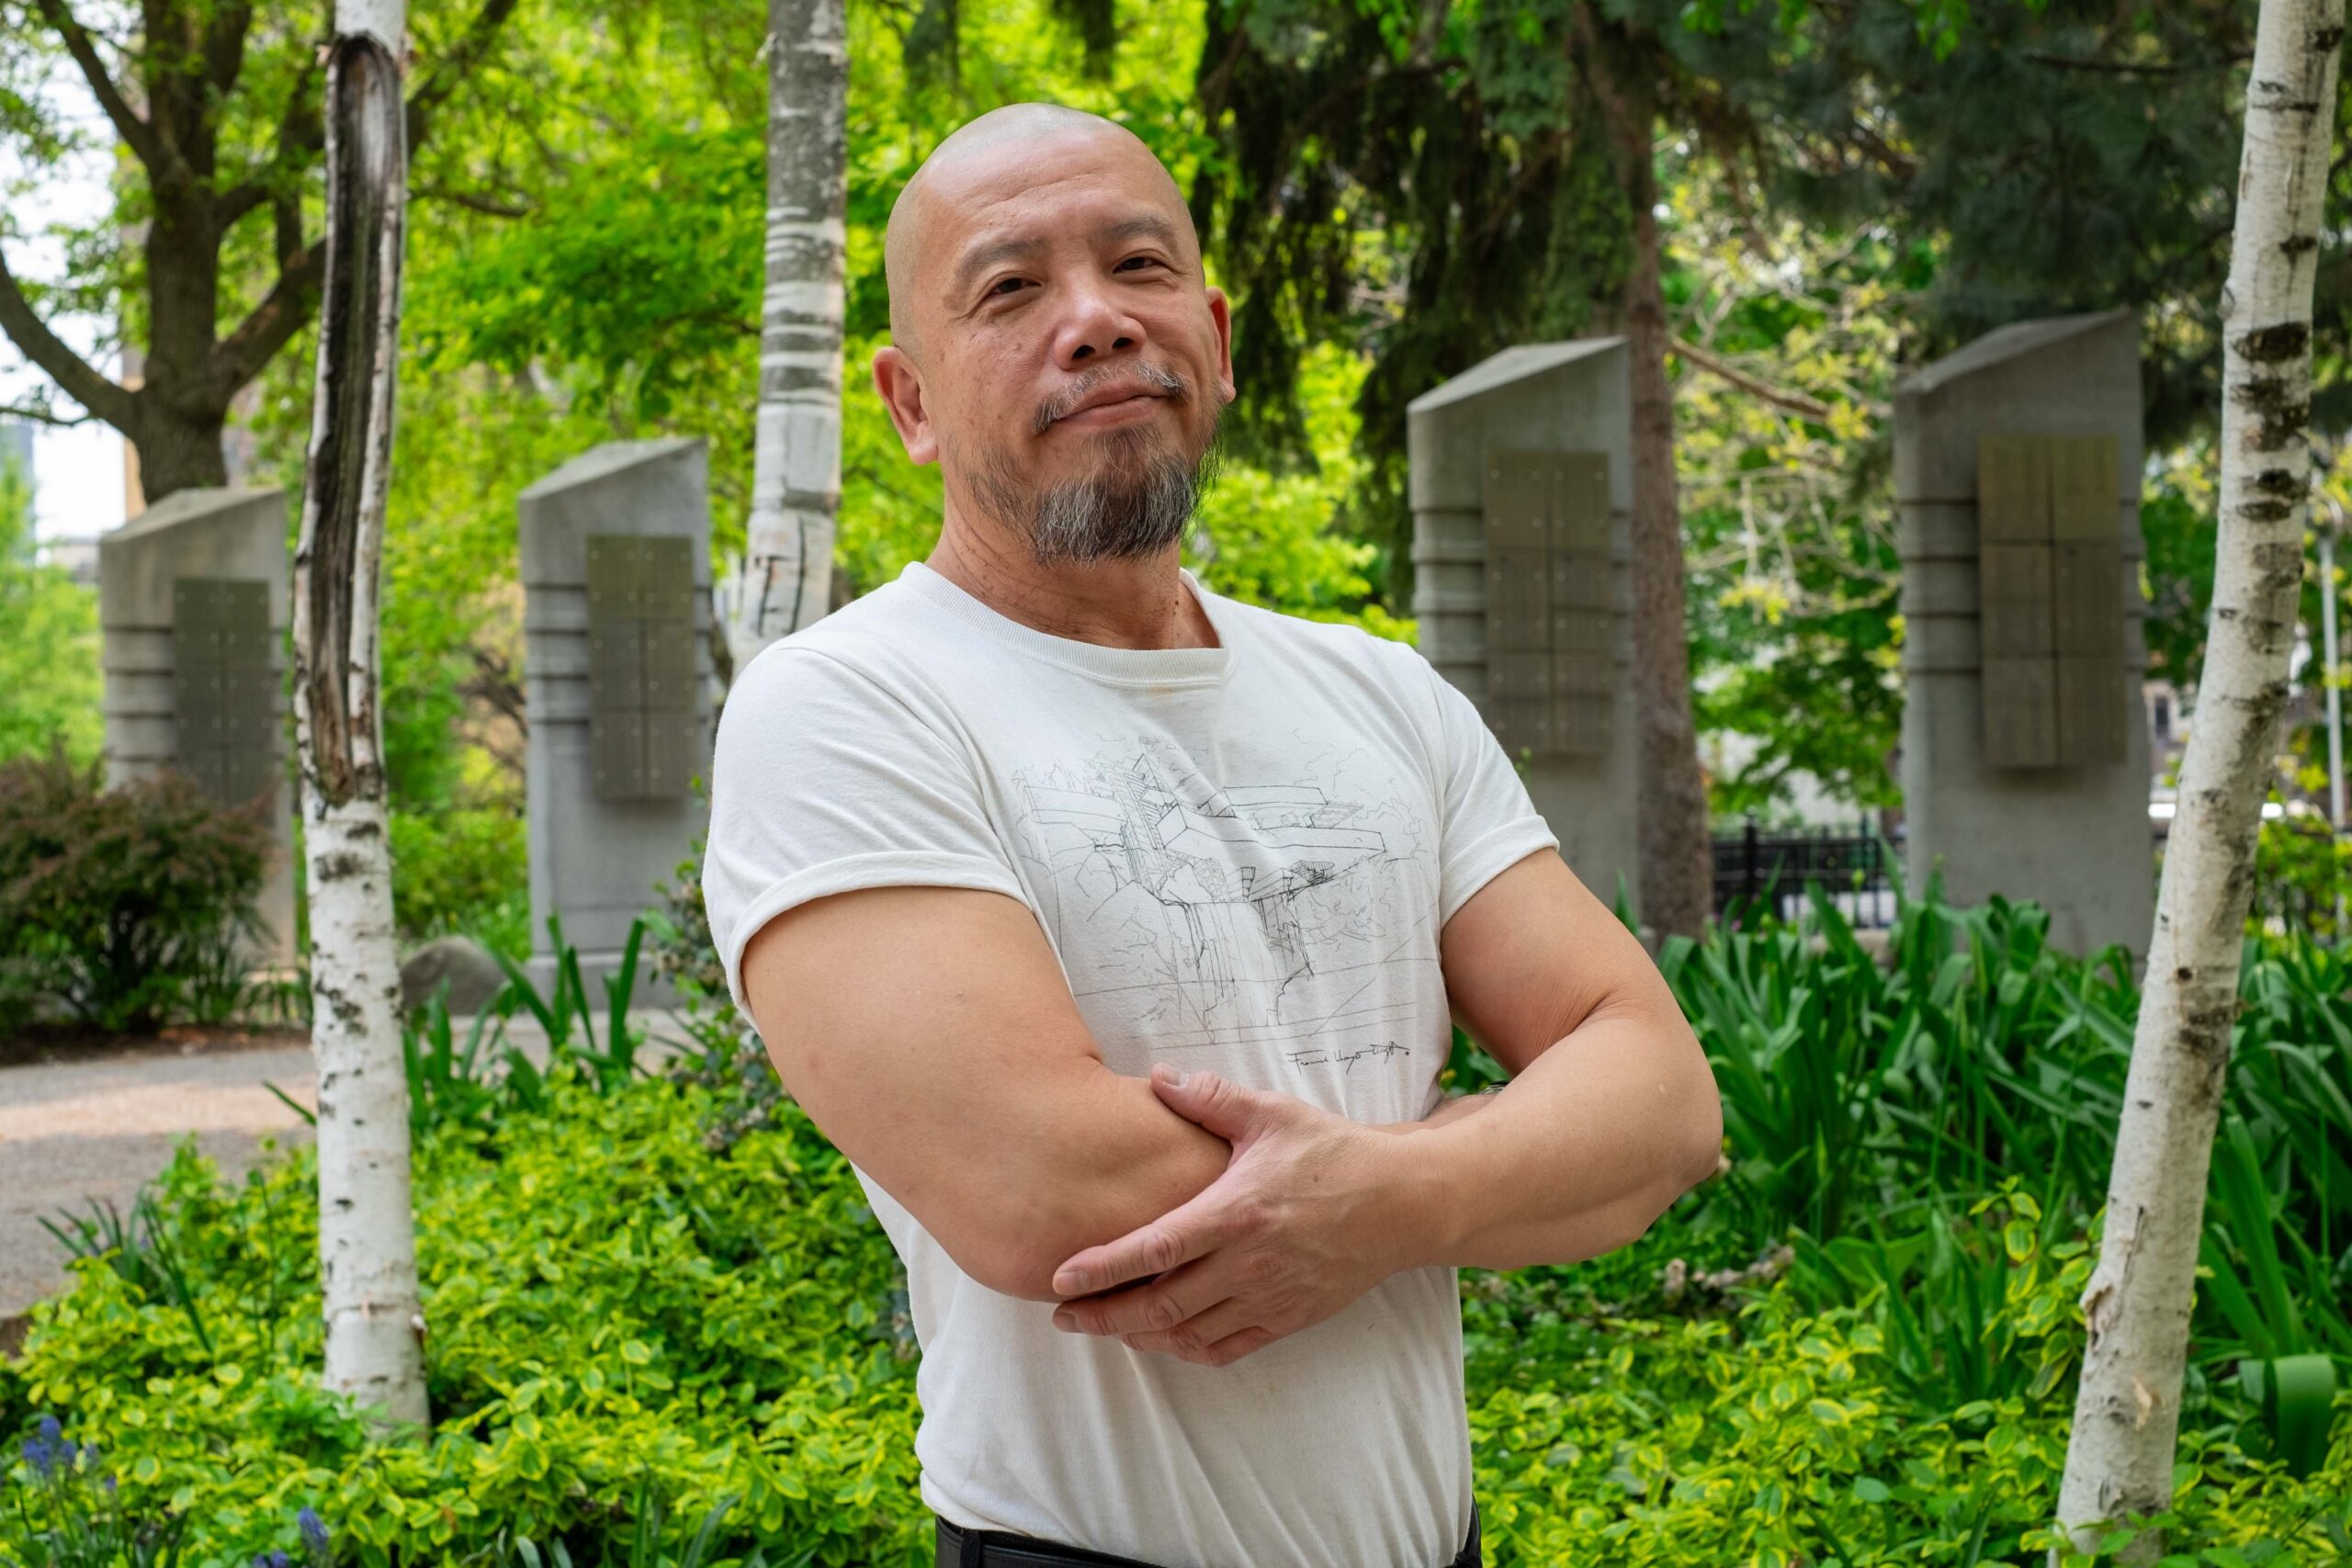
[1242, 856]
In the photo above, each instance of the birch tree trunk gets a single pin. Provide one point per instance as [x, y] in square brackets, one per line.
[375, 1326]
[785, 581]
[2127, 1412]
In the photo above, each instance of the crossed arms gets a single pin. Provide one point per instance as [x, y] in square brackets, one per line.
[930, 1034]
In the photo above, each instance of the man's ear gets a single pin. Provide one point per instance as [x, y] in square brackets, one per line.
[901, 385]
[1221, 315]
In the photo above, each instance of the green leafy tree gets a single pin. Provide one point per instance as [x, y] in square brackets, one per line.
[1788, 343]
[584, 264]
[49, 642]
[214, 255]
[2065, 155]
[1443, 183]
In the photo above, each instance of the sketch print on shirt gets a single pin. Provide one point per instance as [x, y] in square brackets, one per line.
[1232, 915]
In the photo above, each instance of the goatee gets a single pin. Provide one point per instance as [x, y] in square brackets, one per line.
[1136, 503]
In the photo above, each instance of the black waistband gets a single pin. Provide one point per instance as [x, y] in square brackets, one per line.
[960, 1547]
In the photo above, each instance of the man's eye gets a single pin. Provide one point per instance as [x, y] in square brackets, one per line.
[1148, 260]
[995, 289]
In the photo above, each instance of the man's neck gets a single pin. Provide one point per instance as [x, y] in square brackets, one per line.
[1136, 602]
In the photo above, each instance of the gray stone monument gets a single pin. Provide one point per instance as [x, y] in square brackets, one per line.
[1522, 489]
[194, 602]
[2025, 741]
[616, 548]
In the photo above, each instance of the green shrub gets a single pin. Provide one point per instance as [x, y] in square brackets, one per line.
[1875, 1101]
[610, 1306]
[1778, 1436]
[123, 904]
[2300, 867]
[466, 869]
[628, 1328]
[651, 1313]
[727, 1057]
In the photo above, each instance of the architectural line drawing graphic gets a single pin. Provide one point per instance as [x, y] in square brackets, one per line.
[1259, 914]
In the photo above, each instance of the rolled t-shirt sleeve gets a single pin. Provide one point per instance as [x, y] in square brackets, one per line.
[823, 781]
[1488, 820]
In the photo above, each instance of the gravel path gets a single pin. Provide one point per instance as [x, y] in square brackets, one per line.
[97, 1127]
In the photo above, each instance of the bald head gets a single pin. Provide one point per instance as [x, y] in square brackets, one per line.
[1055, 345]
[981, 146]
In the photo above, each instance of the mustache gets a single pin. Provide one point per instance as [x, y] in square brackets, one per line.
[1167, 383]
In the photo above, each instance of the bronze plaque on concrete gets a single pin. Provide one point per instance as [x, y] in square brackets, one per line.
[2049, 577]
[2020, 713]
[640, 665]
[224, 688]
[1551, 615]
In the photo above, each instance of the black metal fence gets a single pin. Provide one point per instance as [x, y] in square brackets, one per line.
[1758, 870]
[2302, 874]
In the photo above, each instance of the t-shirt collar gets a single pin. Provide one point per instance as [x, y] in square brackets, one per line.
[1116, 666]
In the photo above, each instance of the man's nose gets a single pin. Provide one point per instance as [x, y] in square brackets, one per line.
[1092, 325]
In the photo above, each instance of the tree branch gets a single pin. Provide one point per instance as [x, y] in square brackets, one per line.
[453, 68]
[300, 132]
[496, 687]
[286, 213]
[39, 414]
[489, 205]
[1798, 403]
[164, 162]
[1883, 154]
[239, 358]
[2123, 68]
[236, 202]
[224, 46]
[73, 374]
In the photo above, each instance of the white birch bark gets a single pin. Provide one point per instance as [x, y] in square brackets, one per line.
[2127, 1411]
[375, 1326]
[785, 581]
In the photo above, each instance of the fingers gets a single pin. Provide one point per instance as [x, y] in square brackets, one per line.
[1222, 1106]
[1162, 1305]
[1217, 1337]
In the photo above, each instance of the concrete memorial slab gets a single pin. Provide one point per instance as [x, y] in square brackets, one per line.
[2024, 745]
[193, 609]
[1522, 489]
[616, 554]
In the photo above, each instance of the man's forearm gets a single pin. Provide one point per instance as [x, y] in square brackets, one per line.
[1136, 1160]
[1453, 1108]
[1125, 1159]
[1574, 1157]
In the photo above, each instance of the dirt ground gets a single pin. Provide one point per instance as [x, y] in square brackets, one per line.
[95, 1127]
[83, 1127]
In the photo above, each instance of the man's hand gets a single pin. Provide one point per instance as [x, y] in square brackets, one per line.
[1310, 1213]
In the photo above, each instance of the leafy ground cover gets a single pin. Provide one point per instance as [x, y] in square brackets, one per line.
[666, 1331]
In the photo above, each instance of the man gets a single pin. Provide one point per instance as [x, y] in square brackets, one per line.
[997, 846]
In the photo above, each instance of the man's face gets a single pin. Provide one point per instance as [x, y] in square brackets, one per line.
[1073, 363]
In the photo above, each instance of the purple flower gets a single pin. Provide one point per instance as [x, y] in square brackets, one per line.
[47, 1451]
[315, 1530]
[273, 1560]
